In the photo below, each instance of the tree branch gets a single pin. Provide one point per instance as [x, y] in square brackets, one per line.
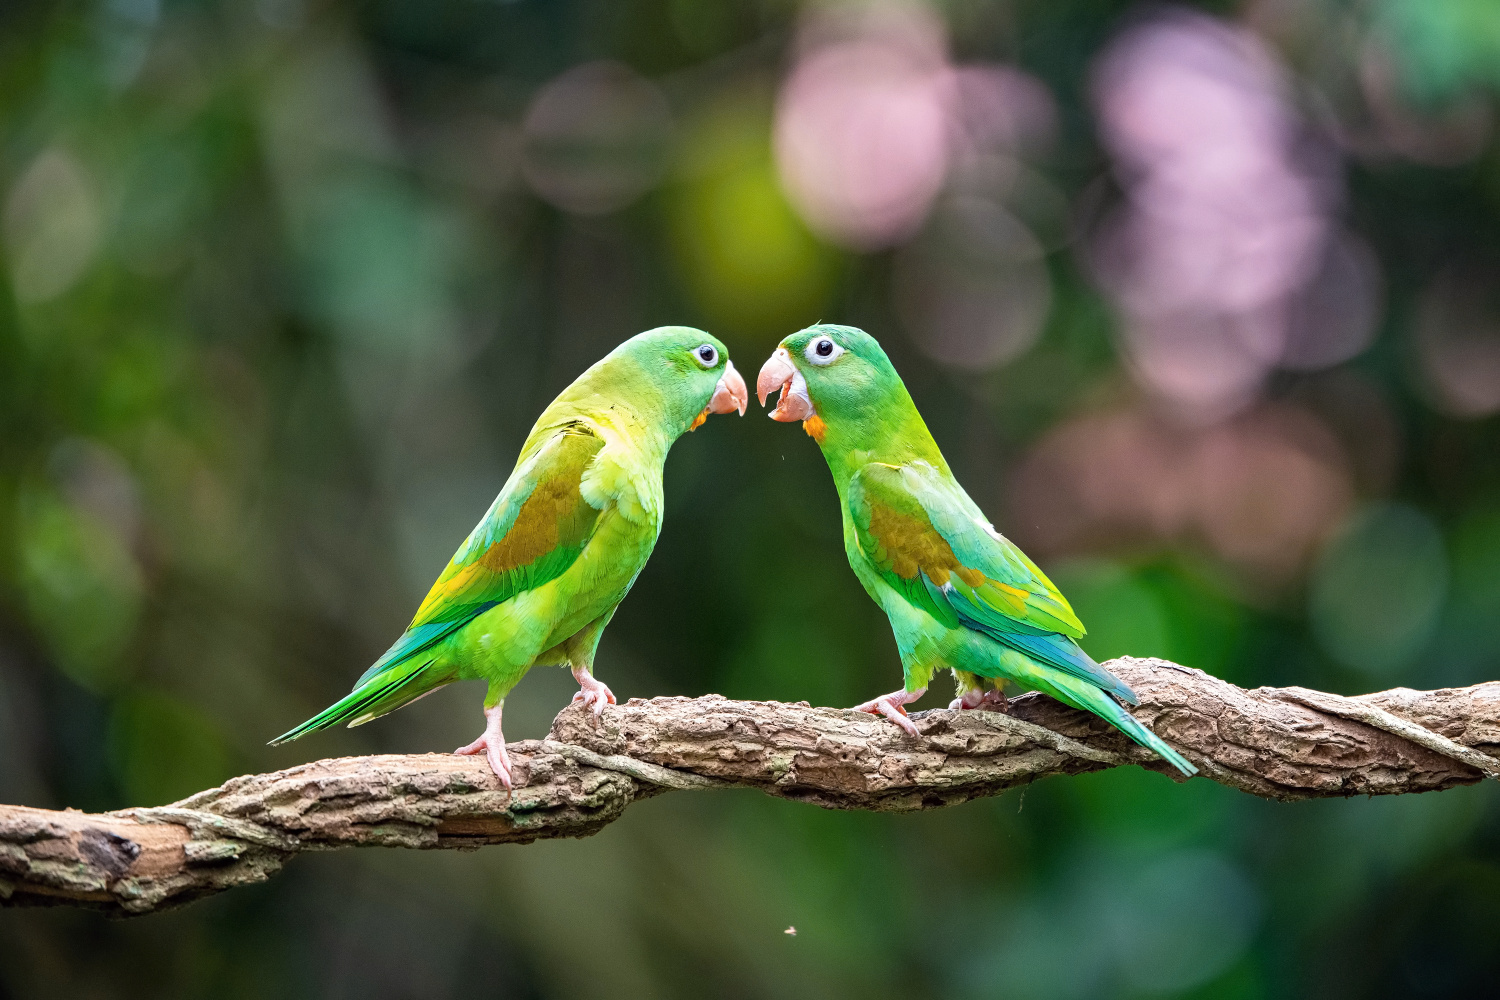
[1280, 743]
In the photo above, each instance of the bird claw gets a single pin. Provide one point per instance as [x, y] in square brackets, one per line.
[494, 755]
[891, 706]
[975, 698]
[492, 745]
[592, 694]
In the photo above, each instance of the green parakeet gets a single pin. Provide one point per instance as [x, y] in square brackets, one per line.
[541, 575]
[958, 594]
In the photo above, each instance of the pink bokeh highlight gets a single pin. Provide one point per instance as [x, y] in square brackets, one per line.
[863, 124]
[1225, 259]
[1260, 491]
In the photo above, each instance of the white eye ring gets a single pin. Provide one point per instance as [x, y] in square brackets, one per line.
[706, 354]
[822, 350]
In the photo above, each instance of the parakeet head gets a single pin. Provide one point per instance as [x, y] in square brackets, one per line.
[685, 372]
[840, 384]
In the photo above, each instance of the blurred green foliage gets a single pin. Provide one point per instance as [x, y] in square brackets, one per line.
[286, 281]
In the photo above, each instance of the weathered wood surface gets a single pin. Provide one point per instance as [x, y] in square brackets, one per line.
[1282, 743]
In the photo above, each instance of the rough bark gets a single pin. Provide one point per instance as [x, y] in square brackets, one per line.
[1281, 743]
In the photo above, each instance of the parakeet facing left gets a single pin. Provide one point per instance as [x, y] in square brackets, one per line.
[541, 575]
[957, 593]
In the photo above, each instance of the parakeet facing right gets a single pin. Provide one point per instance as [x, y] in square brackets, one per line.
[540, 576]
[957, 593]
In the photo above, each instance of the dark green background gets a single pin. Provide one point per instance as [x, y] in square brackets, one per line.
[311, 308]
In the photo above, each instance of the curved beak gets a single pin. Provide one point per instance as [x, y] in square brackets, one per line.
[730, 394]
[779, 373]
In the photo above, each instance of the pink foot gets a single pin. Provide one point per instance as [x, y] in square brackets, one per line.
[890, 706]
[593, 693]
[975, 698]
[492, 745]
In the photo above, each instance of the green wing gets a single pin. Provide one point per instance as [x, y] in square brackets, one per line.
[531, 534]
[933, 545]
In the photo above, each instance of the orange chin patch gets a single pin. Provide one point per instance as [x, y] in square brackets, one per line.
[698, 420]
[815, 428]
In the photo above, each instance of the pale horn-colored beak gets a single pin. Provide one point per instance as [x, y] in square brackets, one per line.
[779, 373]
[730, 394]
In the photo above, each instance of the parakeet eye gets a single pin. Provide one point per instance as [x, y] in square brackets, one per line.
[707, 355]
[822, 351]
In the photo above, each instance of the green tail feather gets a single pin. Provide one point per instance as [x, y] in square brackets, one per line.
[385, 692]
[1091, 699]
[1127, 724]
